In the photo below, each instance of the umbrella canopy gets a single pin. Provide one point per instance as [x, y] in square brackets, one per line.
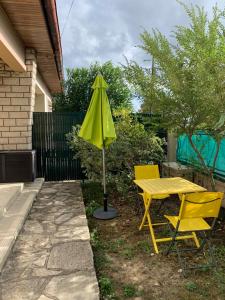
[98, 127]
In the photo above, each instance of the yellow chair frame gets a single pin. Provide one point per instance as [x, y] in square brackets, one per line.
[194, 209]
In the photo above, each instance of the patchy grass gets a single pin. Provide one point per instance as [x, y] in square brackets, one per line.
[127, 267]
[129, 291]
[106, 287]
[191, 286]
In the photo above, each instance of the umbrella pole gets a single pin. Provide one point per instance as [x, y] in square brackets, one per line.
[104, 180]
[105, 212]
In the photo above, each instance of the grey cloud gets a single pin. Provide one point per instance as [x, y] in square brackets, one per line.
[101, 30]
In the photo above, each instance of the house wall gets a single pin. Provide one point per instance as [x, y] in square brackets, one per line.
[49, 105]
[43, 99]
[11, 47]
[17, 99]
[39, 103]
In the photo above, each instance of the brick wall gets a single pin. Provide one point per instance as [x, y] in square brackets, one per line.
[17, 98]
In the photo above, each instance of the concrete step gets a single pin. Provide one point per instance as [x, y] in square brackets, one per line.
[6, 244]
[10, 225]
[22, 205]
[11, 222]
[8, 193]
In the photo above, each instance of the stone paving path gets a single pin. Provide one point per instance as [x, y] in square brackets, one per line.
[52, 257]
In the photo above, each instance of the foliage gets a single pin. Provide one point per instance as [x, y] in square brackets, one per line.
[186, 83]
[191, 286]
[128, 252]
[91, 207]
[95, 242]
[106, 287]
[129, 291]
[78, 91]
[142, 82]
[134, 145]
[144, 246]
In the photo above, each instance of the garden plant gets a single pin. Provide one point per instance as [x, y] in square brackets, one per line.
[186, 82]
[134, 145]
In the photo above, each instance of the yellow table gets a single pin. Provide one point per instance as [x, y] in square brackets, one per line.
[151, 187]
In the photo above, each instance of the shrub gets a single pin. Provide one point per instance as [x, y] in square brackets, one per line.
[133, 146]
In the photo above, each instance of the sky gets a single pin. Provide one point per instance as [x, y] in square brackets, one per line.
[103, 30]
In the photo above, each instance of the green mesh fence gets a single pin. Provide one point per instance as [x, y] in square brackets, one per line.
[207, 146]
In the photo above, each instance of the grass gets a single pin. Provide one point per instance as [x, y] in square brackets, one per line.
[92, 193]
[106, 287]
[191, 286]
[127, 252]
[144, 246]
[126, 267]
[129, 291]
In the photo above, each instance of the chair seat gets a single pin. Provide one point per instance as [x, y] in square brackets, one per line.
[163, 196]
[192, 224]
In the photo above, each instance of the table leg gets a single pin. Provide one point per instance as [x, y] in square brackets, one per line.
[147, 203]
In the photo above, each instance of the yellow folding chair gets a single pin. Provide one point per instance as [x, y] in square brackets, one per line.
[193, 211]
[148, 172]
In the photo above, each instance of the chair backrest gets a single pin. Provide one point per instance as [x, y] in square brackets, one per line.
[204, 205]
[146, 172]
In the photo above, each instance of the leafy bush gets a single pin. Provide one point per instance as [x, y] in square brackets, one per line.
[133, 146]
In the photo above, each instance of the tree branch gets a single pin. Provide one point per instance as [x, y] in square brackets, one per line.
[206, 168]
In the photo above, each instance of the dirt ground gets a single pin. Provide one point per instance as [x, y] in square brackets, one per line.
[127, 266]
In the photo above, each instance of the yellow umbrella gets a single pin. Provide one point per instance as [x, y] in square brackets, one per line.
[98, 129]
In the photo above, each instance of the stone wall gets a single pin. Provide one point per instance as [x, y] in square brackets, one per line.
[17, 98]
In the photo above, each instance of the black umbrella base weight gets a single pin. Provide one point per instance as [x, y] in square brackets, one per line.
[101, 214]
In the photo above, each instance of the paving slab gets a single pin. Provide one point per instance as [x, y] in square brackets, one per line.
[27, 289]
[79, 286]
[52, 257]
[76, 255]
[67, 234]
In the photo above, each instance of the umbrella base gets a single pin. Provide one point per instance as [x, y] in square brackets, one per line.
[111, 213]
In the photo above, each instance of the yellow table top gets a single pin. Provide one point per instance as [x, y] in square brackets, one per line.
[175, 185]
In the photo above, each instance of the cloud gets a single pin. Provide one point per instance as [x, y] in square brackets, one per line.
[102, 30]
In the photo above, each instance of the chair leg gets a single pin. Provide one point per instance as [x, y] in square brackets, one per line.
[211, 250]
[196, 239]
[173, 241]
[205, 241]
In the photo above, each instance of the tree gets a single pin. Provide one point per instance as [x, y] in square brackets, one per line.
[78, 91]
[188, 82]
[133, 146]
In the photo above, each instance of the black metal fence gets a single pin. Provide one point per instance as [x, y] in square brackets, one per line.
[55, 159]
